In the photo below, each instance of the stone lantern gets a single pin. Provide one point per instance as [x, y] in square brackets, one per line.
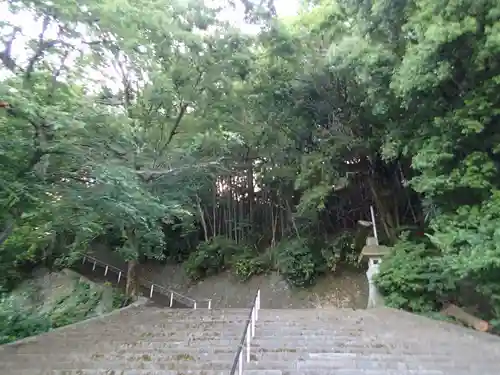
[374, 253]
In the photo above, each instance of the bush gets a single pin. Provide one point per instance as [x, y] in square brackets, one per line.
[77, 306]
[210, 257]
[412, 277]
[17, 322]
[120, 299]
[339, 249]
[250, 264]
[298, 263]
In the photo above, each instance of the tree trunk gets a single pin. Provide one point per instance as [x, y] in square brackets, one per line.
[273, 226]
[251, 194]
[292, 219]
[215, 216]
[132, 287]
[385, 215]
[202, 217]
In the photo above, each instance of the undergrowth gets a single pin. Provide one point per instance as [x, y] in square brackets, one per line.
[19, 319]
[299, 261]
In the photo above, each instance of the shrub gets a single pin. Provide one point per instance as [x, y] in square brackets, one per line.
[79, 305]
[339, 249]
[250, 264]
[210, 257]
[120, 299]
[412, 277]
[17, 322]
[298, 262]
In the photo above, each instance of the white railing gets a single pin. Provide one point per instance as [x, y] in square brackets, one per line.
[248, 335]
[174, 296]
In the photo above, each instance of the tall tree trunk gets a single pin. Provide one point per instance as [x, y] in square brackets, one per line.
[132, 286]
[292, 219]
[229, 227]
[251, 193]
[235, 215]
[282, 218]
[385, 215]
[241, 217]
[214, 209]
[202, 217]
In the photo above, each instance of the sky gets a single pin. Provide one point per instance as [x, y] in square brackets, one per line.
[31, 29]
[286, 8]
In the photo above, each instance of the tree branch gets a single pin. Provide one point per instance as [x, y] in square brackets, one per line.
[6, 54]
[42, 47]
[148, 175]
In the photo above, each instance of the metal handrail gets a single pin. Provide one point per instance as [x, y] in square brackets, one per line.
[152, 286]
[248, 334]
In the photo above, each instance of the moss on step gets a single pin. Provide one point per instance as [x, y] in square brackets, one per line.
[184, 357]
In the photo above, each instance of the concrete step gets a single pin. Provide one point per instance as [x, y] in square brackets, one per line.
[156, 341]
[141, 372]
[92, 347]
[185, 364]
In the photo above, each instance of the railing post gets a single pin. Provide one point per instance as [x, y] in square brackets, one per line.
[83, 260]
[209, 304]
[254, 312]
[171, 298]
[106, 271]
[195, 305]
[240, 363]
[151, 292]
[93, 268]
[248, 344]
[257, 305]
[119, 276]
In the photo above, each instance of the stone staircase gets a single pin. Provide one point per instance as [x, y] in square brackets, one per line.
[368, 342]
[149, 340]
[134, 341]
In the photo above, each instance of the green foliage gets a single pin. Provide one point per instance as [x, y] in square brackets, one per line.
[392, 102]
[211, 257]
[120, 299]
[23, 316]
[296, 261]
[413, 277]
[18, 322]
[80, 159]
[83, 304]
[339, 250]
[249, 264]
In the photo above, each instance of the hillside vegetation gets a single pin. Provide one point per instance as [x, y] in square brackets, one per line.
[163, 130]
[52, 300]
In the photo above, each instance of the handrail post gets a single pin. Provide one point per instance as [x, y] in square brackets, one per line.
[83, 260]
[247, 336]
[248, 344]
[106, 271]
[119, 276]
[257, 305]
[209, 304]
[151, 292]
[254, 312]
[171, 298]
[93, 268]
[195, 305]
